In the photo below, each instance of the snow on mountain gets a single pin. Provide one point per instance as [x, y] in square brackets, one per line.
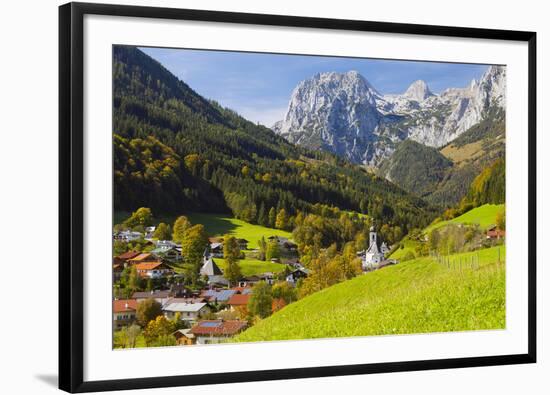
[345, 114]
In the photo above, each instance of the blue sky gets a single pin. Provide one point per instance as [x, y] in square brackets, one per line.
[258, 86]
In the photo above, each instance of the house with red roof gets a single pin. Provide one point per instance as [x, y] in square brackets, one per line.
[124, 312]
[238, 300]
[494, 233]
[154, 269]
[142, 257]
[216, 331]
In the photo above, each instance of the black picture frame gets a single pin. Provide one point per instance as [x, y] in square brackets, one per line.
[71, 223]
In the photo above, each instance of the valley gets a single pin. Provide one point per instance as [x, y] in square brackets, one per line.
[357, 214]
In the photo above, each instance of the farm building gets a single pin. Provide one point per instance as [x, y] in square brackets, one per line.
[184, 337]
[297, 274]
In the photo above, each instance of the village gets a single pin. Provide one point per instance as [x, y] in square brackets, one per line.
[217, 309]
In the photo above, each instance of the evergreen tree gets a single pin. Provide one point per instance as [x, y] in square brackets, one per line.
[271, 217]
[262, 216]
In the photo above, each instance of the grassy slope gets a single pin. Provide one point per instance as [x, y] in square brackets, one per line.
[483, 215]
[417, 296]
[118, 340]
[219, 225]
[251, 266]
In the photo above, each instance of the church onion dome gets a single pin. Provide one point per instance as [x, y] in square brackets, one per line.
[372, 228]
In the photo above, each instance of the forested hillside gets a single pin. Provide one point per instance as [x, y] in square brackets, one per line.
[176, 151]
[443, 177]
[472, 152]
[416, 167]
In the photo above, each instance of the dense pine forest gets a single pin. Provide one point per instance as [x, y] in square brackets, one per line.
[175, 151]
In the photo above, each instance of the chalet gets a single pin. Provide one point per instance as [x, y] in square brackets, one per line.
[217, 331]
[170, 254]
[216, 239]
[124, 312]
[142, 257]
[123, 258]
[216, 250]
[155, 269]
[189, 312]
[165, 244]
[117, 271]
[238, 300]
[218, 296]
[243, 244]
[293, 277]
[179, 290]
[249, 281]
[184, 337]
[295, 263]
[494, 233]
[188, 300]
[268, 277]
[160, 296]
[127, 236]
[149, 231]
[283, 243]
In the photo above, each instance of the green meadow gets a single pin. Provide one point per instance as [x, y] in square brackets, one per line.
[251, 266]
[220, 225]
[484, 216]
[417, 296]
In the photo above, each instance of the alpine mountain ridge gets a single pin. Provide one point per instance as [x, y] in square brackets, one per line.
[344, 114]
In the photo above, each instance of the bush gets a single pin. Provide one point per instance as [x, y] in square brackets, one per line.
[408, 256]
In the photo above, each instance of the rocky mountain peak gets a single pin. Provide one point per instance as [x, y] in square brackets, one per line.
[331, 111]
[418, 91]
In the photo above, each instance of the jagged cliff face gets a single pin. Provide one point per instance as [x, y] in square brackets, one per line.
[332, 111]
[343, 113]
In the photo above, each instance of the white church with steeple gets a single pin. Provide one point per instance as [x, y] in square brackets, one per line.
[374, 255]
